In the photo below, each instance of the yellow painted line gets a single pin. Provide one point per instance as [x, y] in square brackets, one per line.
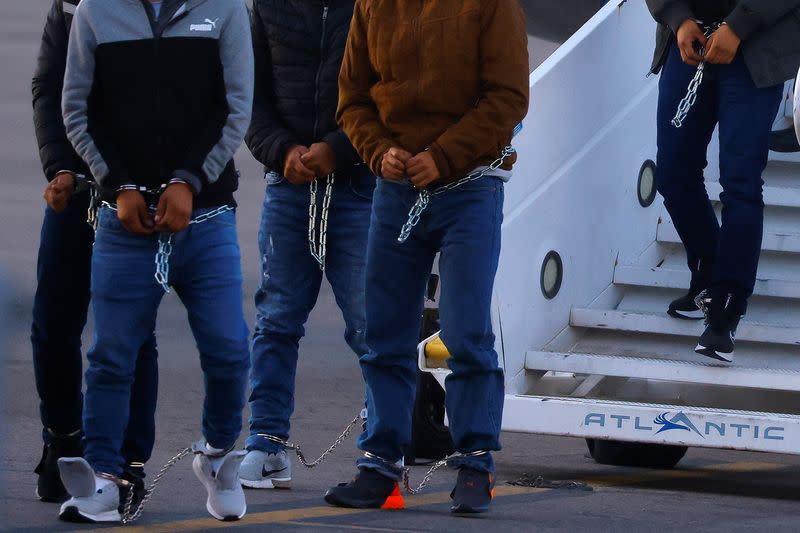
[303, 513]
[347, 526]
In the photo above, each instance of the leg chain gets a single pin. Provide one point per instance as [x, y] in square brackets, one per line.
[131, 515]
[301, 457]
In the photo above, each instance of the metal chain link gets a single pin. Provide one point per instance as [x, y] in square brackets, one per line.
[429, 474]
[425, 195]
[301, 457]
[128, 513]
[689, 100]
[319, 248]
[165, 246]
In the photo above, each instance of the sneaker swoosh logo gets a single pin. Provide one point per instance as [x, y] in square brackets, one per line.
[267, 473]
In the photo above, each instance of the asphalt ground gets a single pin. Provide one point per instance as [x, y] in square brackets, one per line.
[712, 490]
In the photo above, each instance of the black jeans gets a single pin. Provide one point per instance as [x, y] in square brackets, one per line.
[59, 316]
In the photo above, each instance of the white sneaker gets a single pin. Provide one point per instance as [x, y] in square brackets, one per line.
[219, 472]
[261, 470]
[94, 499]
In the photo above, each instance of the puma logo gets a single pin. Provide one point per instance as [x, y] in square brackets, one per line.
[207, 25]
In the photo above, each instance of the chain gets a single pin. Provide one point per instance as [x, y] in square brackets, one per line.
[301, 457]
[689, 100]
[425, 479]
[425, 195]
[165, 246]
[318, 248]
[129, 514]
[94, 206]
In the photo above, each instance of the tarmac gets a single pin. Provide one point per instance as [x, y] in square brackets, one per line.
[711, 490]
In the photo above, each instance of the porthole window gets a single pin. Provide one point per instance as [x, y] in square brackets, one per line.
[552, 275]
[646, 186]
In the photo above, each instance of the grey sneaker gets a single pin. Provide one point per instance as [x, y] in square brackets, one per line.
[220, 475]
[88, 502]
[261, 470]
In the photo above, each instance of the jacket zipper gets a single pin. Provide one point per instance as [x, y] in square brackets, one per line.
[156, 51]
[326, 6]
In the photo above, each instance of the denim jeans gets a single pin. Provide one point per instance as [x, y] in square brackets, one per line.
[59, 315]
[290, 285]
[464, 226]
[205, 271]
[745, 114]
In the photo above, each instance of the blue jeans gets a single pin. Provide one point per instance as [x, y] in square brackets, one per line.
[290, 285]
[464, 225]
[745, 114]
[59, 316]
[205, 272]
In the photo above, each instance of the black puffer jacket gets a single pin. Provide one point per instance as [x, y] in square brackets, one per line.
[55, 150]
[299, 45]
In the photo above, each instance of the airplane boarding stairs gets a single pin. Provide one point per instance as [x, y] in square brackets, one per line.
[598, 357]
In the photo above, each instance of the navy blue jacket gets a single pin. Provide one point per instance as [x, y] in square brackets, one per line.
[298, 46]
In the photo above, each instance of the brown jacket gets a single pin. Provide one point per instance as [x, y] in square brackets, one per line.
[450, 76]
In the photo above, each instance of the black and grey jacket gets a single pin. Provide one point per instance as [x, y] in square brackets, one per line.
[769, 30]
[146, 102]
[299, 46]
[55, 150]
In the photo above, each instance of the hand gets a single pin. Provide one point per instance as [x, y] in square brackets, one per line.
[422, 170]
[722, 46]
[59, 190]
[393, 165]
[320, 159]
[174, 208]
[294, 170]
[132, 212]
[688, 34]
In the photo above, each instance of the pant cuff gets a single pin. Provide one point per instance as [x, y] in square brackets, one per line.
[262, 444]
[481, 463]
[393, 471]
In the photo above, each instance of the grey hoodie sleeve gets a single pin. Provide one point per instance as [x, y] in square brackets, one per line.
[236, 55]
[93, 146]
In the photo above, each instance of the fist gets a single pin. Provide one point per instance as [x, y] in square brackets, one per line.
[688, 34]
[59, 190]
[393, 165]
[422, 170]
[320, 159]
[174, 208]
[294, 170]
[722, 46]
[132, 212]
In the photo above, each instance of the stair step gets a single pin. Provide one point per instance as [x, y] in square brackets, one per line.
[665, 325]
[773, 196]
[774, 240]
[665, 370]
[670, 278]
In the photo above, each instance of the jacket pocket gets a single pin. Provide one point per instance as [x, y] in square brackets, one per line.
[363, 186]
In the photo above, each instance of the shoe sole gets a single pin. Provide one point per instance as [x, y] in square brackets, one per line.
[713, 354]
[51, 499]
[270, 483]
[73, 514]
[394, 502]
[468, 509]
[226, 518]
[686, 315]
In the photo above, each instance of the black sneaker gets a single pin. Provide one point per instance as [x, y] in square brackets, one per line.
[722, 318]
[49, 487]
[368, 490]
[686, 307]
[134, 475]
[784, 141]
[473, 493]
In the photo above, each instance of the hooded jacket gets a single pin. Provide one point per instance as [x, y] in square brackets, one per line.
[55, 150]
[145, 103]
[769, 30]
[449, 76]
[298, 47]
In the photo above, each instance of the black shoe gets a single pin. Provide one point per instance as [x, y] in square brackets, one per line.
[784, 141]
[473, 492]
[49, 487]
[686, 307]
[368, 490]
[722, 318]
[134, 475]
